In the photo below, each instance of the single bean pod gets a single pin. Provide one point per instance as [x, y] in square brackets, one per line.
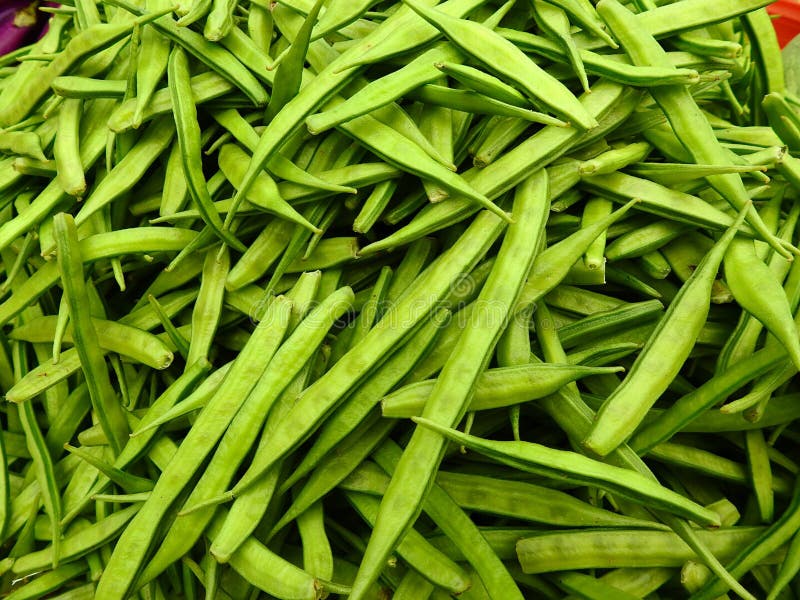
[556, 551]
[549, 462]
[760, 293]
[495, 388]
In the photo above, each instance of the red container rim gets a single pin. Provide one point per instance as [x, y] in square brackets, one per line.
[786, 19]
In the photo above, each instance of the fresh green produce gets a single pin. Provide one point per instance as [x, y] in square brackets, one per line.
[404, 299]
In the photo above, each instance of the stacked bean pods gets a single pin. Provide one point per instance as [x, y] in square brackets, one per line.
[399, 299]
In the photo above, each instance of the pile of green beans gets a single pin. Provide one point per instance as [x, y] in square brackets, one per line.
[409, 299]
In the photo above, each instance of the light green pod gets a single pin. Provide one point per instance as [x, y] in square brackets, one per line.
[495, 388]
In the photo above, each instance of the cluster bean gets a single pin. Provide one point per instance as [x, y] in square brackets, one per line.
[400, 298]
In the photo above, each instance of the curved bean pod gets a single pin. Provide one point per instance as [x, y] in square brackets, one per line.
[530, 502]
[650, 374]
[495, 388]
[151, 64]
[494, 576]
[473, 102]
[70, 265]
[760, 293]
[111, 336]
[269, 572]
[553, 20]
[66, 149]
[415, 550]
[554, 463]
[483, 83]
[207, 310]
[185, 114]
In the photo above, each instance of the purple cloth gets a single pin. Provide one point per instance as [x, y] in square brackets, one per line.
[20, 23]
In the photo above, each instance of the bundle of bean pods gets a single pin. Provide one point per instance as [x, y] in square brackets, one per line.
[370, 299]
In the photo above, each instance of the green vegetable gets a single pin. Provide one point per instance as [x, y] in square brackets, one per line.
[342, 299]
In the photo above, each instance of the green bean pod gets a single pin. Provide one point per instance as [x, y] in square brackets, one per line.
[151, 64]
[604, 323]
[269, 572]
[194, 401]
[760, 549]
[334, 468]
[450, 397]
[264, 193]
[495, 388]
[111, 336]
[123, 177]
[553, 20]
[244, 426]
[76, 545]
[219, 20]
[483, 83]
[253, 506]
[45, 475]
[289, 73]
[566, 550]
[760, 293]
[685, 117]
[613, 67]
[553, 264]
[67, 150]
[494, 576]
[129, 553]
[674, 336]
[415, 550]
[505, 58]
[279, 166]
[205, 86]
[530, 502]
[549, 462]
[364, 399]
[103, 398]
[207, 309]
[49, 581]
[615, 159]
[396, 149]
[185, 114]
[788, 569]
